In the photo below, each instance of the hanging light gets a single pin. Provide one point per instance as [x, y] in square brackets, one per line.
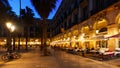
[97, 31]
[74, 36]
[83, 34]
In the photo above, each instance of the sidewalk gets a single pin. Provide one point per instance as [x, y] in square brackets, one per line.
[83, 62]
[33, 59]
[112, 61]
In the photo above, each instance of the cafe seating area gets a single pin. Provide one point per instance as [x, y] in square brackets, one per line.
[101, 54]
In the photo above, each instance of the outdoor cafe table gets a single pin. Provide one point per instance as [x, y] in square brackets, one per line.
[94, 52]
[107, 55]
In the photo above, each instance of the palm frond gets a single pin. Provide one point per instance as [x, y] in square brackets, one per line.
[44, 7]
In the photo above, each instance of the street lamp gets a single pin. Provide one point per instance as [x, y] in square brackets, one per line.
[11, 28]
[8, 24]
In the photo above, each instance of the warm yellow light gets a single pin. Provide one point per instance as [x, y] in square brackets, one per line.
[97, 31]
[83, 34]
[64, 39]
[36, 40]
[68, 38]
[74, 36]
[8, 24]
[12, 28]
[5, 40]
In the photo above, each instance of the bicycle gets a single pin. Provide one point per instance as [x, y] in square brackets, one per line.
[10, 55]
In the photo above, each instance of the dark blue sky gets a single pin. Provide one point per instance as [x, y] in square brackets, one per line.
[16, 7]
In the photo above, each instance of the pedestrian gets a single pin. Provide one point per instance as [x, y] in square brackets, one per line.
[50, 50]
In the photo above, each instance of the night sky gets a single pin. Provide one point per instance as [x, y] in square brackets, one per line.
[16, 7]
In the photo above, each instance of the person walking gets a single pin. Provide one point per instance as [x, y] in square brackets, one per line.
[50, 51]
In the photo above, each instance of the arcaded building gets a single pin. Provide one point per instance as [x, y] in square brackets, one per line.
[87, 24]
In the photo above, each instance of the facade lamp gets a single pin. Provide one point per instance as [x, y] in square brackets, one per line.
[83, 34]
[97, 31]
[74, 36]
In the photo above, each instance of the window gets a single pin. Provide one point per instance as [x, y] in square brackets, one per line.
[102, 44]
[104, 29]
[85, 13]
[98, 5]
[91, 5]
[76, 19]
[87, 44]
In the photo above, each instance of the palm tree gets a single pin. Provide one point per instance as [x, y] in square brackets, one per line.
[27, 17]
[4, 8]
[6, 14]
[44, 7]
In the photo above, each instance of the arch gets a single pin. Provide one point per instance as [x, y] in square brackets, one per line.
[100, 24]
[65, 35]
[104, 29]
[117, 20]
[69, 34]
[85, 29]
[75, 32]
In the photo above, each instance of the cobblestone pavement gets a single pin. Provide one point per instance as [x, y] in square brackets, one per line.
[33, 59]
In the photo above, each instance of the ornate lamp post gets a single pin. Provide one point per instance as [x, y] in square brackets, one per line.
[11, 28]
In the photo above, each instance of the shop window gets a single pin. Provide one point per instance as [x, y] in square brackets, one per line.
[102, 44]
[87, 44]
[77, 44]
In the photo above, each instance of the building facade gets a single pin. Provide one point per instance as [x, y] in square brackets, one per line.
[87, 24]
[31, 34]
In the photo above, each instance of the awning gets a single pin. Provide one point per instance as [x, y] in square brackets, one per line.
[98, 37]
[115, 36]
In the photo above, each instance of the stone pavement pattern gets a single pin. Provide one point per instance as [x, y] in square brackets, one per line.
[34, 59]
